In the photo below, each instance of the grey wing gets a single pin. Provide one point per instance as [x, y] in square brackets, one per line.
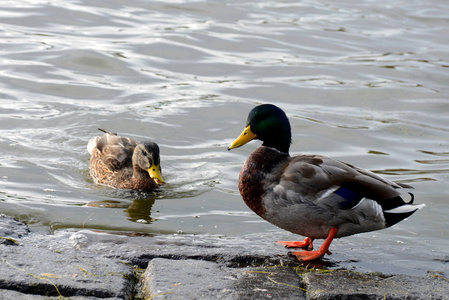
[333, 184]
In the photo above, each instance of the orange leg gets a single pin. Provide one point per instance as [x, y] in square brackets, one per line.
[311, 255]
[307, 243]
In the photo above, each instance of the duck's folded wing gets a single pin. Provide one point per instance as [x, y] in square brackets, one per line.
[333, 184]
[116, 150]
[109, 139]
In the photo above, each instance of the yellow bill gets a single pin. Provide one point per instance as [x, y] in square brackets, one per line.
[246, 136]
[155, 173]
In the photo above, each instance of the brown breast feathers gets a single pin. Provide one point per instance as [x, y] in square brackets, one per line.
[252, 176]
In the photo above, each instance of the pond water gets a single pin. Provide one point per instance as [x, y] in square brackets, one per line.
[361, 81]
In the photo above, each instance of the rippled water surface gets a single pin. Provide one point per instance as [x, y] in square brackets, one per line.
[362, 81]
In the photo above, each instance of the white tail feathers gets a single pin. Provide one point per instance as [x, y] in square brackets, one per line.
[407, 208]
[92, 144]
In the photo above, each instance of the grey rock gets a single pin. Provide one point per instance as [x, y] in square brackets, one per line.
[11, 230]
[37, 267]
[274, 282]
[8, 295]
[197, 279]
[187, 279]
[342, 284]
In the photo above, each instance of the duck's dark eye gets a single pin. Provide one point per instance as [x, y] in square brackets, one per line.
[142, 149]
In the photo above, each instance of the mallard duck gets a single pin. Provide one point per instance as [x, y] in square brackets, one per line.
[123, 163]
[312, 195]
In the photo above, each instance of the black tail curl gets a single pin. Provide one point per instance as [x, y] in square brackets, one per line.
[105, 131]
[395, 202]
[393, 217]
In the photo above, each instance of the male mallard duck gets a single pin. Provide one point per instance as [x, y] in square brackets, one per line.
[123, 163]
[312, 195]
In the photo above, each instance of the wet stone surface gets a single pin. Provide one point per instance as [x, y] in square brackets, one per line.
[192, 279]
[11, 230]
[342, 284]
[86, 264]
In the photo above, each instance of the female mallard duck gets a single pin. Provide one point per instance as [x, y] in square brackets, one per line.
[123, 163]
[312, 195]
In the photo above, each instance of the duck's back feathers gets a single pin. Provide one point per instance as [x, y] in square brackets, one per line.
[117, 151]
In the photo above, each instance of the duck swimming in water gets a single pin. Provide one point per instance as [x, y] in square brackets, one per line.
[312, 195]
[123, 163]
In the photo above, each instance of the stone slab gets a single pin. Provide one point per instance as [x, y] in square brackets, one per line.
[11, 230]
[197, 279]
[341, 284]
[32, 268]
[9, 295]
[186, 279]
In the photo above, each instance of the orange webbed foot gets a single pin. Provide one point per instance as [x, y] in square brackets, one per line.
[307, 243]
[310, 255]
[324, 249]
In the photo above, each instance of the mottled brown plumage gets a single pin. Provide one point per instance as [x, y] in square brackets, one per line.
[123, 163]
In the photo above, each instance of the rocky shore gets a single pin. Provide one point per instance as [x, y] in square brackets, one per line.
[87, 264]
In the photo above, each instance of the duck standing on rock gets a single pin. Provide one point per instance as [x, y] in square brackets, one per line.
[123, 163]
[312, 195]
